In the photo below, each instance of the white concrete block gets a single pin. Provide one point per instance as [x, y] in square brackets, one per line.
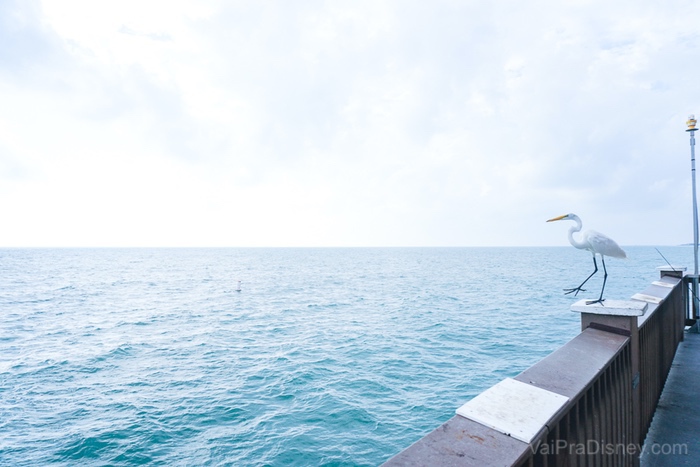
[663, 284]
[514, 408]
[611, 307]
[671, 268]
[647, 298]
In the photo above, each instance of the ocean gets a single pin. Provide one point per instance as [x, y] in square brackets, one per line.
[336, 357]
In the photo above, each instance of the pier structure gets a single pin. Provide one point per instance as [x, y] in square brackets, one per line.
[589, 403]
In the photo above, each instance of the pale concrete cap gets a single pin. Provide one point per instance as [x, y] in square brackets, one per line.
[668, 285]
[647, 298]
[668, 268]
[611, 307]
[514, 408]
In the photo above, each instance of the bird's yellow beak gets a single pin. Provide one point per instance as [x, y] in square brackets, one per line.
[557, 218]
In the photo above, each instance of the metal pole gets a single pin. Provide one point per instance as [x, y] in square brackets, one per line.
[691, 129]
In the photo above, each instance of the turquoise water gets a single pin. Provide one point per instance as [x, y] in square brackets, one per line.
[325, 357]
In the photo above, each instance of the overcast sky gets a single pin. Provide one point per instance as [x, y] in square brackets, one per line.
[334, 123]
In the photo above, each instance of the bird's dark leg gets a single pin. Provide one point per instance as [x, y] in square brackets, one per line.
[605, 278]
[578, 289]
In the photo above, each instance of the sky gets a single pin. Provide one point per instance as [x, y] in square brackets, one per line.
[330, 123]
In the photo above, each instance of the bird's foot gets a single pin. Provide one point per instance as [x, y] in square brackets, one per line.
[575, 291]
[600, 300]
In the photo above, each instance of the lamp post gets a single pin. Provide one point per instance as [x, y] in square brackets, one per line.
[691, 129]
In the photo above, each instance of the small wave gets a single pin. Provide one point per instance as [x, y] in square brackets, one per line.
[84, 448]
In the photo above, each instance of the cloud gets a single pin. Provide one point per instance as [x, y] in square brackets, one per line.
[371, 123]
[23, 39]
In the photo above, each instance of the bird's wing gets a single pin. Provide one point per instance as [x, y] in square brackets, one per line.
[604, 245]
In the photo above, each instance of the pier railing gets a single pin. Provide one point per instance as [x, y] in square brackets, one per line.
[589, 403]
[660, 332]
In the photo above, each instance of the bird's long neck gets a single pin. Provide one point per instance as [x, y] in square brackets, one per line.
[573, 230]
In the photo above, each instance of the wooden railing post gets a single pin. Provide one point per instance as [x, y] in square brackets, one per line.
[620, 317]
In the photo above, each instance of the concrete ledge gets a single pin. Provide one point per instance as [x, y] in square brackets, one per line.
[571, 368]
[461, 441]
[514, 408]
[609, 362]
[668, 285]
[611, 307]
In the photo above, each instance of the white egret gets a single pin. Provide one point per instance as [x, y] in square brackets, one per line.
[595, 242]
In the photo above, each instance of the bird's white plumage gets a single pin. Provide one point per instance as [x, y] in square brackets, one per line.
[602, 244]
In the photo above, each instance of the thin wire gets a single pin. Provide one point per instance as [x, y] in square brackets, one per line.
[669, 264]
[692, 292]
